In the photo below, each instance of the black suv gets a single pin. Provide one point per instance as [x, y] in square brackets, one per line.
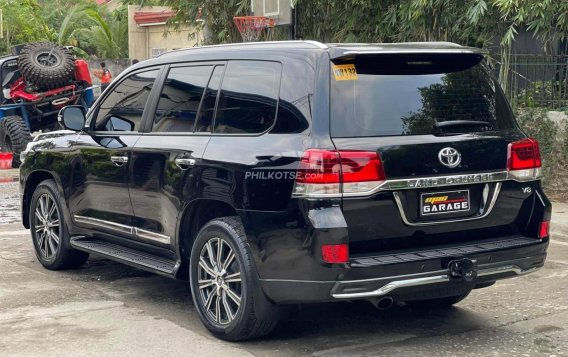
[290, 172]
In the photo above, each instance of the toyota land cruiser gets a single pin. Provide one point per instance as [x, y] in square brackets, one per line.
[292, 172]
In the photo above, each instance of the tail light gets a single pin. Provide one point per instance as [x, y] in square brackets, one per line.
[335, 253]
[329, 173]
[544, 229]
[523, 160]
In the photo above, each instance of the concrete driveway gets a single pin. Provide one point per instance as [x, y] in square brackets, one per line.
[107, 309]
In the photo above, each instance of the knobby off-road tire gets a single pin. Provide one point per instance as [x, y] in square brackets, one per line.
[49, 231]
[439, 303]
[251, 314]
[14, 137]
[46, 65]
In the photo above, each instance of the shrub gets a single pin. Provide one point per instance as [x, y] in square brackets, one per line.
[553, 140]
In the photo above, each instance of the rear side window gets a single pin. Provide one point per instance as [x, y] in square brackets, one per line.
[180, 99]
[248, 98]
[415, 98]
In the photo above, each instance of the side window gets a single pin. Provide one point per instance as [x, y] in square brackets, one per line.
[122, 109]
[296, 95]
[180, 98]
[248, 98]
[205, 116]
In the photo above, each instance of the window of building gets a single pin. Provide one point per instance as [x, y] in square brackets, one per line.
[155, 52]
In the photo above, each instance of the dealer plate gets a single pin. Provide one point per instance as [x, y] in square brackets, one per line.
[444, 202]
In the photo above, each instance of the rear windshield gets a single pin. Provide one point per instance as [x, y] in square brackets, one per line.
[378, 99]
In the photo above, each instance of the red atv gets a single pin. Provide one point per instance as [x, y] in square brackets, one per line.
[38, 79]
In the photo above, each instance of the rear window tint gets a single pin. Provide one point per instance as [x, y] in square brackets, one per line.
[415, 103]
[248, 98]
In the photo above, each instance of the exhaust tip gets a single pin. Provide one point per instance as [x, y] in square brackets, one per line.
[383, 303]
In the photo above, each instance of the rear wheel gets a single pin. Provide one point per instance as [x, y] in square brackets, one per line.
[49, 230]
[438, 303]
[224, 283]
[14, 136]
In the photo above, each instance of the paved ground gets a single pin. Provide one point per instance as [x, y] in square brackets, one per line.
[106, 309]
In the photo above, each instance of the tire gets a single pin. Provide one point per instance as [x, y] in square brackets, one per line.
[14, 137]
[51, 241]
[255, 316]
[439, 303]
[46, 65]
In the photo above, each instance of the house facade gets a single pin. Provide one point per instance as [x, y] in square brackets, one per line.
[149, 35]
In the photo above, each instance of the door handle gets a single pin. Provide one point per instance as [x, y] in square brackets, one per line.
[184, 164]
[119, 160]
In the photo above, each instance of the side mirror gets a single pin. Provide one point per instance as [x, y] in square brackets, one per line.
[72, 117]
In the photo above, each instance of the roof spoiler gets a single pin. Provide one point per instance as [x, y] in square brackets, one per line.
[408, 48]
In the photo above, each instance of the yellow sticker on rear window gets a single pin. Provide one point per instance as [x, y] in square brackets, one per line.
[344, 72]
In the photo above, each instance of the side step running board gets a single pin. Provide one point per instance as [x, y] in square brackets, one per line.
[126, 255]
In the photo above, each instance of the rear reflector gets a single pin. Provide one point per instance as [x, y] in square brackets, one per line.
[523, 160]
[544, 229]
[335, 253]
[332, 173]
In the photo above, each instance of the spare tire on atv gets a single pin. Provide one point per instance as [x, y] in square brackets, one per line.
[46, 65]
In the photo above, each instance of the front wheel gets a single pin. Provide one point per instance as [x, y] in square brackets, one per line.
[49, 230]
[225, 286]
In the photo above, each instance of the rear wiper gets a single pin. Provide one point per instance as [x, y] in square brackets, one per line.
[454, 123]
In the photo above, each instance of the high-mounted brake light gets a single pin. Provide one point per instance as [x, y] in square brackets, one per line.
[335, 253]
[523, 160]
[325, 173]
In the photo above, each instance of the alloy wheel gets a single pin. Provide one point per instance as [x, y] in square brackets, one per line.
[47, 226]
[219, 281]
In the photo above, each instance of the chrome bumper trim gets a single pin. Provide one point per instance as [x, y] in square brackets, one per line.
[385, 290]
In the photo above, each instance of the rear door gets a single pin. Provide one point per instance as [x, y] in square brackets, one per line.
[441, 127]
[166, 161]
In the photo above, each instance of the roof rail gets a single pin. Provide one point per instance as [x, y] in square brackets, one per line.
[245, 44]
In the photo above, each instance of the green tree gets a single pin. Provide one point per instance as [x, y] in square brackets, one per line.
[216, 14]
[108, 36]
[76, 20]
[22, 22]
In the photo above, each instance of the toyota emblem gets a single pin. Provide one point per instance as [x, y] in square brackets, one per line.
[449, 157]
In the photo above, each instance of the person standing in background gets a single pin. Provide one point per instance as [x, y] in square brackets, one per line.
[104, 76]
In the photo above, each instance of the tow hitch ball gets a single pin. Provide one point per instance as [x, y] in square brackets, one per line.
[463, 269]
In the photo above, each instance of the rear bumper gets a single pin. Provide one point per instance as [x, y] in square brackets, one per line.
[381, 280]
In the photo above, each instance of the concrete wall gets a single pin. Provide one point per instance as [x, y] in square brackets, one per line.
[142, 39]
[114, 66]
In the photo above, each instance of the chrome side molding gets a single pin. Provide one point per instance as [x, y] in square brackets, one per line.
[117, 227]
[104, 224]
